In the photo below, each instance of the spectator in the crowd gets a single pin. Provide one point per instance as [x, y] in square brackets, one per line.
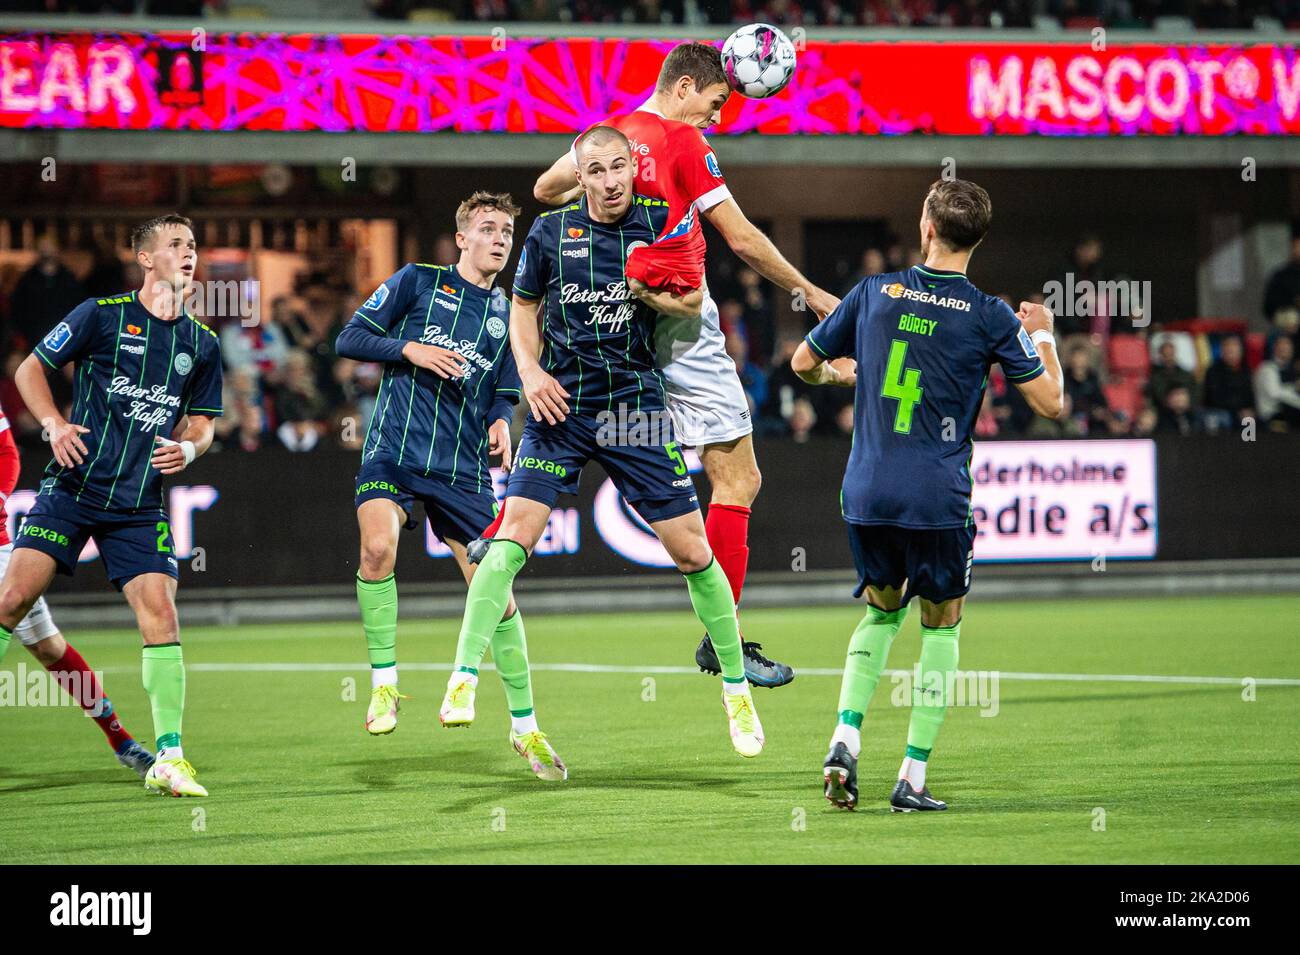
[1146, 422]
[752, 377]
[1089, 408]
[1229, 393]
[1167, 374]
[783, 388]
[299, 405]
[1084, 263]
[45, 294]
[261, 348]
[873, 263]
[802, 420]
[1276, 395]
[1283, 289]
[107, 274]
[242, 424]
[313, 330]
[22, 421]
[1177, 416]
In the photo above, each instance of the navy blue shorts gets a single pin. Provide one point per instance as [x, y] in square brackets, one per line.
[936, 563]
[130, 543]
[653, 478]
[455, 513]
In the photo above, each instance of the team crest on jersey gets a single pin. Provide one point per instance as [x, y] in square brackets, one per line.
[58, 336]
[711, 164]
[682, 227]
[183, 364]
[1027, 343]
[496, 328]
[377, 298]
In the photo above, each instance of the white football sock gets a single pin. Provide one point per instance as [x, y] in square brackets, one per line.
[850, 736]
[524, 724]
[383, 676]
[913, 770]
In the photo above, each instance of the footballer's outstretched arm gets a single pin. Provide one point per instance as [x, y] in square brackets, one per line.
[64, 437]
[558, 186]
[758, 252]
[1045, 395]
[544, 394]
[815, 370]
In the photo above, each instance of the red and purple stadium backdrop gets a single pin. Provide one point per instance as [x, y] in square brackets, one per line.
[369, 83]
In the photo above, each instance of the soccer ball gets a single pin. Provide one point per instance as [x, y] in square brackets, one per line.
[759, 60]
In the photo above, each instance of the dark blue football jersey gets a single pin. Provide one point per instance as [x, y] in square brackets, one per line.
[429, 424]
[924, 341]
[597, 338]
[135, 376]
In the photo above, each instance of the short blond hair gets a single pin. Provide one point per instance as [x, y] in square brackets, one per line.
[482, 199]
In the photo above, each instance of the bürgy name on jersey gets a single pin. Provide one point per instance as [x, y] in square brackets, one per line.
[898, 290]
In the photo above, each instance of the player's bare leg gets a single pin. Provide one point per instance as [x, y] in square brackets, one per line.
[81, 683]
[153, 598]
[735, 479]
[489, 601]
[380, 523]
[688, 546]
[509, 648]
[30, 573]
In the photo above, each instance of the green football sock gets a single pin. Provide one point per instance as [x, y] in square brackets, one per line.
[930, 696]
[5, 636]
[164, 680]
[489, 595]
[378, 602]
[510, 654]
[868, 651]
[716, 608]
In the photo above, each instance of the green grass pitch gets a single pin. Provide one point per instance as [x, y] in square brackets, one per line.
[1183, 772]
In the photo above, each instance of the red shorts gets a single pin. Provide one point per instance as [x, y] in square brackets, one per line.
[676, 264]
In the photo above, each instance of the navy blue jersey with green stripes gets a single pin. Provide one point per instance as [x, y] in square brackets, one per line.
[924, 340]
[428, 424]
[597, 339]
[135, 376]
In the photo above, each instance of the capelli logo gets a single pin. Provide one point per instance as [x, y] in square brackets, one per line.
[76, 908]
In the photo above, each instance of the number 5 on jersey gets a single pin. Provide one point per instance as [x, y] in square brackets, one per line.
[903, 385]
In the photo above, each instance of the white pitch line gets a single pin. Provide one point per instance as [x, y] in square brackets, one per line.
[672, 670]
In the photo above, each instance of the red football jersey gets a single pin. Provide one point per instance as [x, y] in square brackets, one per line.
[8, 472]
[675, 164]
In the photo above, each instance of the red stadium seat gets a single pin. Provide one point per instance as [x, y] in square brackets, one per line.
[1124, 397]
[1256, 345]
[1128, 358]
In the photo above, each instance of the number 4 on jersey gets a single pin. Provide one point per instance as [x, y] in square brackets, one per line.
[903, 385]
